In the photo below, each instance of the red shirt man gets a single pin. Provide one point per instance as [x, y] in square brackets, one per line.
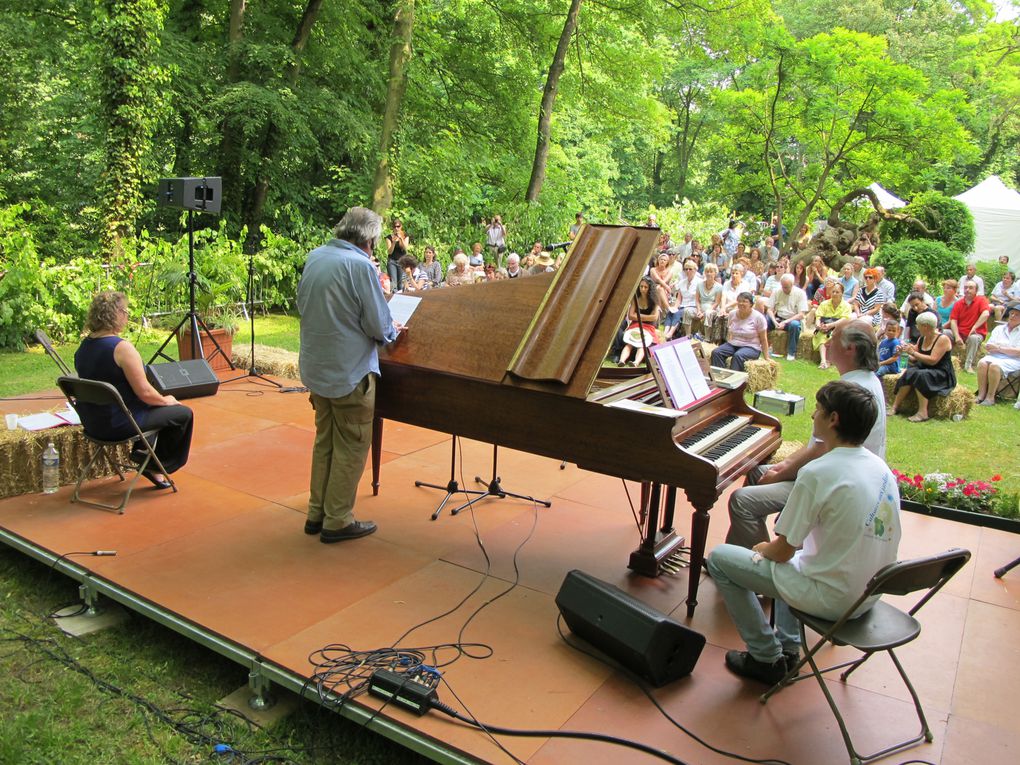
[968, 322]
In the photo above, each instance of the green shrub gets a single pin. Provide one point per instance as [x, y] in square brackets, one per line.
[991, 272]
[913, 259]
[948, 217]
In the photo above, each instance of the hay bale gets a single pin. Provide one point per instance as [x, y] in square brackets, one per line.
[762, 374]
[959, 402]
[786, 448]
[21, 458]
[805, 350]
[269, 361]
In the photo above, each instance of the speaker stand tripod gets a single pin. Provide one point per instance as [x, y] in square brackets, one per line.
[253, 371]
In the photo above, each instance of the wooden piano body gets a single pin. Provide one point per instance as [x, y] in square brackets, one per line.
[513, 363]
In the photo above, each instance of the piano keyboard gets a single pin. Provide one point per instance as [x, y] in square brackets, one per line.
[725, 439]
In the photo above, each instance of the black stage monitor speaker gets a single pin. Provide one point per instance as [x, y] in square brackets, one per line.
[184, 379]
[201, 194]
[645, 641]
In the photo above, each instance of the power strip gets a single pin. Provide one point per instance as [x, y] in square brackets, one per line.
[413, 692]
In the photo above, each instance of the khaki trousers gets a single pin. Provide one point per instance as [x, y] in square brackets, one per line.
[343, 435]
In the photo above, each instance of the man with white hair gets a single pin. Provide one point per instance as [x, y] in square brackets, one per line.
[513, 266]
[344, 317]
[786, 309]
[887, 288]
[770, 253]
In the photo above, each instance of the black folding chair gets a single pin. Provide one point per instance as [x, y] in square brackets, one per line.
[1009, 387]
[47, 344]
[79, 390]
[882, 628]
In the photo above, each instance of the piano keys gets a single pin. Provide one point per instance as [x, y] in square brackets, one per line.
[514, 363]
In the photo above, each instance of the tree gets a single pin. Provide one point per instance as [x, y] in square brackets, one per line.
[400, 52]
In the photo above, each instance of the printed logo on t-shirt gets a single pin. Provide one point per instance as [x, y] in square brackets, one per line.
[883, 515]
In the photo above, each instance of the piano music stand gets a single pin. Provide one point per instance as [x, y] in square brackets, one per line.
[494, 488]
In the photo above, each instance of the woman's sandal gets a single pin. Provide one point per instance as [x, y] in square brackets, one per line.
[157, 482]
[917, 418]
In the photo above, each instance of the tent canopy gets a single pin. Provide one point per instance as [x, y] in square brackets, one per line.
[996, 211]
[888, 200]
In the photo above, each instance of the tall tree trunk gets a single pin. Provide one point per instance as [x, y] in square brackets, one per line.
[257, 196]
[234, 36]
[230, 162]
[552, 84]
[400, 52]
[130, 32]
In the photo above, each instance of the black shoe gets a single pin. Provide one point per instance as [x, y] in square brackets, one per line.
[353, 530]
[792, 659]
[744, 664]
[313, 527]
[158, 483]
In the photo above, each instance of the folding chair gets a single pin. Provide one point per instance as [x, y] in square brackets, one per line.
[47, 344]
[79, 390]
[882, 628]
[1009, 387]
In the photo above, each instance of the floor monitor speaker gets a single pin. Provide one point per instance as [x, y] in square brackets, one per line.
[184, 379]
[646, 641]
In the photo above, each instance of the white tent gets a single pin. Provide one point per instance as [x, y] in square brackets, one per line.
[889, 200]
[996, 211]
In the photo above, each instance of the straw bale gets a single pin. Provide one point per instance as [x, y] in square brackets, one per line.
[21, 458]
[762, 374]
[959, 402]
[270, 361]
[805, 350]
[786, 448]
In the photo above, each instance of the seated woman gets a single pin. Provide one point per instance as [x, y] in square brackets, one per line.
[413, 278]
[826, 315]
[817, 273]
[747, 336]
[433, 268]
[104, 355]
[931, 370]
[684, 304]
[709, 308]
[644, 322]
[944, 302]
[869, 299]
[1006, 292]
[849, 283]
[1003, 356]
[460, 272]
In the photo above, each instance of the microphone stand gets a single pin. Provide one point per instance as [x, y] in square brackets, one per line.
[252, 369]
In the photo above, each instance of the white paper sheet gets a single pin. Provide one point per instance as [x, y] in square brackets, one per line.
[402, 307]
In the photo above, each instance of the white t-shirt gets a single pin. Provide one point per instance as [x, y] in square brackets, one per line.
[875, 442]
[687, 291]
[843, 514]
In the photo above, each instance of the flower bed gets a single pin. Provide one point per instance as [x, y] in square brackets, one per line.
[979, 503]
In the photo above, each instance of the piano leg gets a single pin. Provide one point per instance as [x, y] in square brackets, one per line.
[659, 540]
[376, 453]
[699, 536]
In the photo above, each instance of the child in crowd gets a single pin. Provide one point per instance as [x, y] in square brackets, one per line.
[889, 350]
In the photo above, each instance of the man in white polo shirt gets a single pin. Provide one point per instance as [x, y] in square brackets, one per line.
[786, 310]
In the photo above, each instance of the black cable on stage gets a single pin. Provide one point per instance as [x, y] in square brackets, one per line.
[644, 689]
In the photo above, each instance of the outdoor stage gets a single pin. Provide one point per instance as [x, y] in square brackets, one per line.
[225, 562]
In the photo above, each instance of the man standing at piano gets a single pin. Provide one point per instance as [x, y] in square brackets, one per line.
[344, 318]
[854, 352]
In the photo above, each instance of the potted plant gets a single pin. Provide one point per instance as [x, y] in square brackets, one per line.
[942, 495]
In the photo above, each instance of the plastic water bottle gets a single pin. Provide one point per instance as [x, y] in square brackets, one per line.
[50, 469]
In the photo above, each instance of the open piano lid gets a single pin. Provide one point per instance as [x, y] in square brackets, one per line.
[548, 332]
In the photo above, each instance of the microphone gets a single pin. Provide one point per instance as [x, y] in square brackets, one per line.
[104, 552]
[558, 246]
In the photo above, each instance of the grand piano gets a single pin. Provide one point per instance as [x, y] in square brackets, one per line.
[514, 363]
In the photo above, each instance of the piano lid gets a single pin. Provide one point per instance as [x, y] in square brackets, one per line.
[548, 332]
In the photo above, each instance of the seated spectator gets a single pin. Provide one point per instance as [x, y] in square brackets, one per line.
[889, 313]
[770, 253]
[889, 350]
[1005, 293]
[750, 280]
[944, 302]
[849, 282]
[827, 314]
[1003, 356]
[887, 287]
[800, 277]
[683, 304]
[664, 276]
[642, 330]
[869, 299]
[785, 313]
[931, 370]
[433, 268]
[460, 272]
[543, 262]
[817, 273]
[513, 266]
[709, 307]
[839, 527]
[732, 288]
[476, 260]
[859, 267]
[773, 274]
[755, 262]
[920, 286]
[489, 270]
[528, 263]
[968, 322]
[747, 336]
[105, 356]
[413, 279]
[971, 276]
[717, 257]
[916, 305]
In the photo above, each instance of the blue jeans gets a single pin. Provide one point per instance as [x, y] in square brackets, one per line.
[792, 330]
[741, 355]
[739, 573]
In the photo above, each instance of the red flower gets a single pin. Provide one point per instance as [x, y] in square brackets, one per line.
[996, 477]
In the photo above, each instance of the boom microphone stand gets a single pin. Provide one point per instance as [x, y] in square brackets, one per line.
[252, 369]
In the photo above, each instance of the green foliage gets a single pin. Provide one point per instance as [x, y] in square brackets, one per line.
[949, 218]
[991, 272]
[701, 219]
[911, 259]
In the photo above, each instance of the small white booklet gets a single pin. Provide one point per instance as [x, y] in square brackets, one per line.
[47, 420]
[681, 373]
[402, 307]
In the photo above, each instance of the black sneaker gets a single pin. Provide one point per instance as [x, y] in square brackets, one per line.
[353, 530]
[313, 527]
[744, 664]
[792, 659]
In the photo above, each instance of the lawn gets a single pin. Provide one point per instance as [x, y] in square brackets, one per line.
[140, 693]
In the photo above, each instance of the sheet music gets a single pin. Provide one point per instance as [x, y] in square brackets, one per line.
[681, 372]
[402, 307]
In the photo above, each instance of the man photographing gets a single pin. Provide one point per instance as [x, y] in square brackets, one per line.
[344, 317]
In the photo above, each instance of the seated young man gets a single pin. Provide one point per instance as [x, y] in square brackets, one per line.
[839, 527]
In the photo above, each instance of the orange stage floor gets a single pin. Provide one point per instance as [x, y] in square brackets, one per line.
[225, 561]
